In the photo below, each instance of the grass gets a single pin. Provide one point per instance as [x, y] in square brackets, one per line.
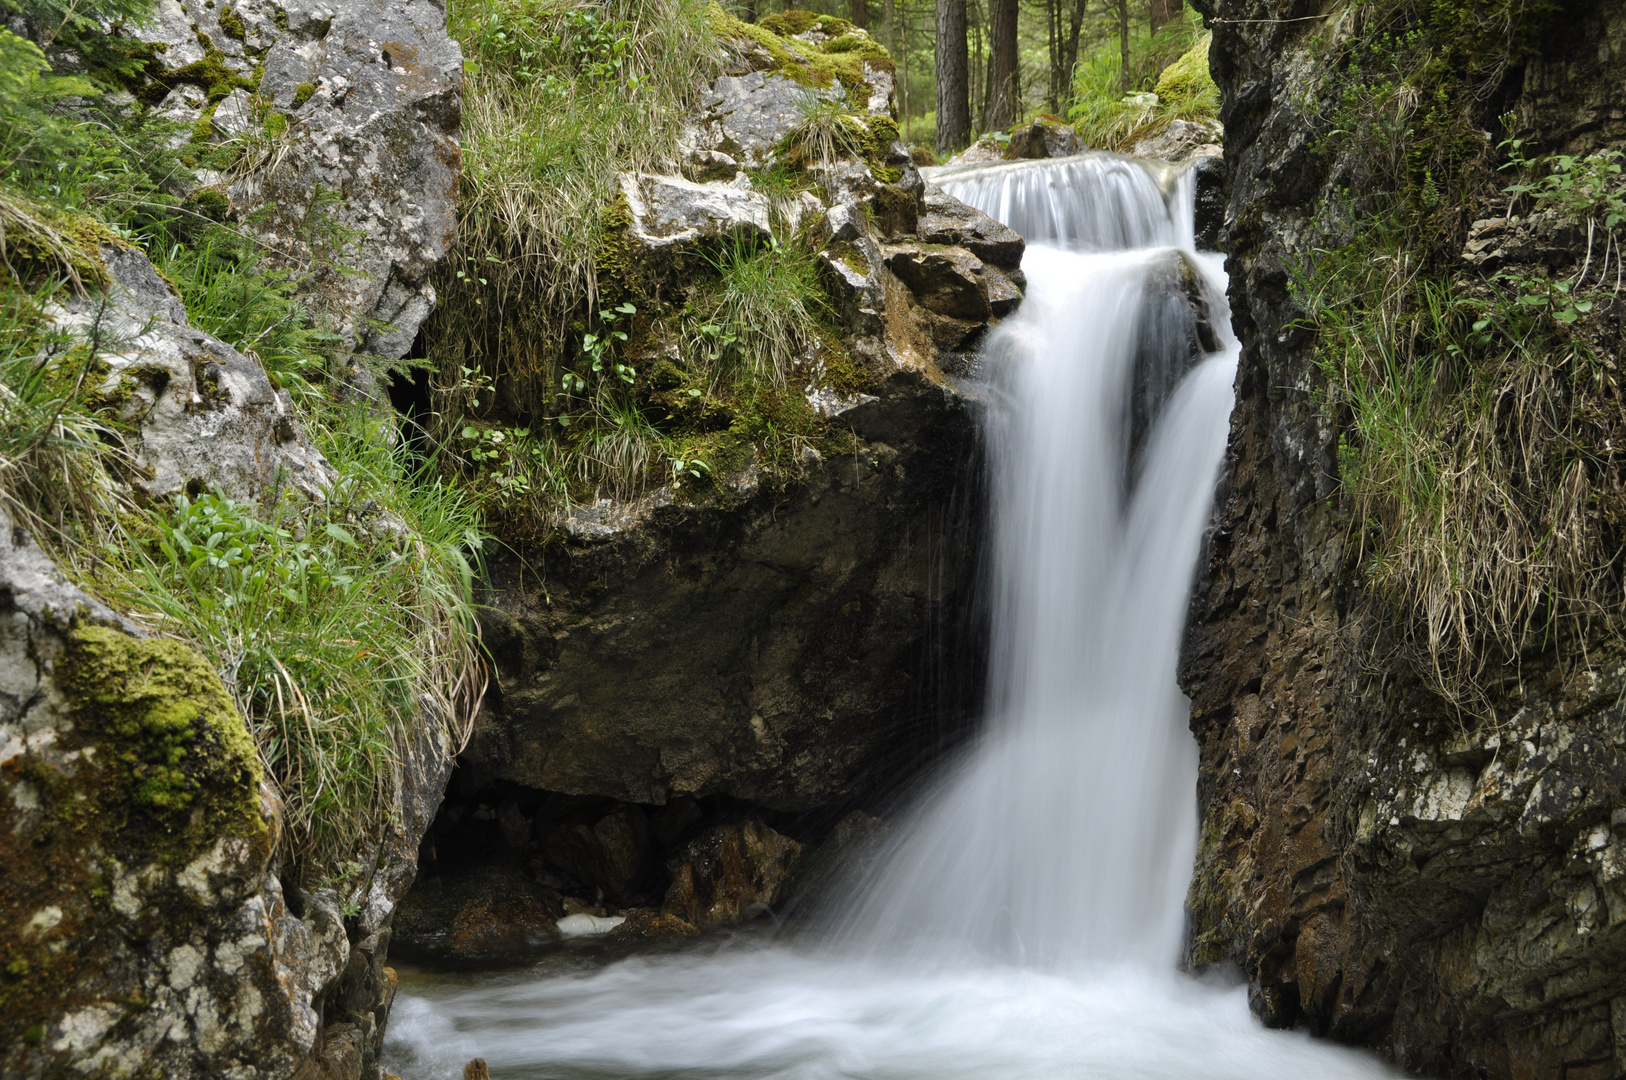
[560, 98]
[1477, 421]
[1169, 80]
[335, 625]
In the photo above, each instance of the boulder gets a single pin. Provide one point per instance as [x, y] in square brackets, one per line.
[495, 914]
[946, 220]
[145, 925]
[372, 94]
[1181, 140]
[948, 280]
[730, 874]
[207, 417]
[981, 152]
[1044, 137]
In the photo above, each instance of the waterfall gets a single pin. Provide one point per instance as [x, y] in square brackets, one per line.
[1025, 920]
[1067, 834]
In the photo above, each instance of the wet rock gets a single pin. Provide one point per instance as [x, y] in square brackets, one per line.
[1045, 137]
[1209, 178]
[730, 874]
[207, 416]
[947, 220]
[948, 280]
[615, 852]
[493, 914]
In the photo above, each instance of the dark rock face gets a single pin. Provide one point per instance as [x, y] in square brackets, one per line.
[793, 651]
[720, 876]
[1381, 873]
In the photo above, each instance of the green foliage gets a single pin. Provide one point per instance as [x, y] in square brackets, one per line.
[334, 625]
[1169, 80]
[1476, 417]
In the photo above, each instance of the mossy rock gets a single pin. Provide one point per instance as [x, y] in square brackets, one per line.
[844, 58]
[152, 770]
[1186, 87]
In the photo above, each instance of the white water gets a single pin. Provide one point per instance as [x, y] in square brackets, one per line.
[1025, 923]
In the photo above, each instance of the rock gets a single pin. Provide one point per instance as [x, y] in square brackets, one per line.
[234, 116]
[730, 874]
[1180, 140]
[207, 416]
[378, 123]
[616, 852]
[749, 115]
[138, 865]
[1208, 173]
[947, 220]
[948, 280]
[980, 152]
[476, 1070]
[671, 213]
[493, 914]
[1383, 869]
[1045, 137]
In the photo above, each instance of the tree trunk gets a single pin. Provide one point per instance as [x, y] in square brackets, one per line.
[1123, 45]
[860, 17]
[1165, 12]
[1004, 91]
[953, 77]
[1070, 54]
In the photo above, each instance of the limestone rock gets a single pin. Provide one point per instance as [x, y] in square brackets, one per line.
[670, 213]
[372, 91]
[146, 929]
[208, 417]
[948, 280]
[1384, 870]
[731, 874]
[980, 152]
[947, 220]
[1181, 140]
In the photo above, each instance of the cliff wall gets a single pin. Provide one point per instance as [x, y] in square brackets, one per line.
[1387, 869]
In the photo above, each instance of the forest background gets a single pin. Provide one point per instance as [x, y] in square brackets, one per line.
[976, 67]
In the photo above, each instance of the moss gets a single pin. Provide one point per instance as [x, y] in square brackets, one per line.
[232, 24]
[303, 93]
[276, 125]
[1186, 85]
[168, 728]
[807, 64]
[210, 73]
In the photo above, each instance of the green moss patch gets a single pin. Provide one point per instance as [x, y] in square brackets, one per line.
[842, 59]
[182, 756]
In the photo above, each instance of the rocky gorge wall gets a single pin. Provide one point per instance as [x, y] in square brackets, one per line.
[151, 923]
[1383, 872]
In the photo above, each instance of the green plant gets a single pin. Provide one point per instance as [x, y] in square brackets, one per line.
[827, 130]
[765, 306]
[335, 625]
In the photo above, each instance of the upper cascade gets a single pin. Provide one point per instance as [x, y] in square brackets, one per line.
[1091, 202]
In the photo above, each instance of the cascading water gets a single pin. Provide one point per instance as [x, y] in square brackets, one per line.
[1025, 921]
